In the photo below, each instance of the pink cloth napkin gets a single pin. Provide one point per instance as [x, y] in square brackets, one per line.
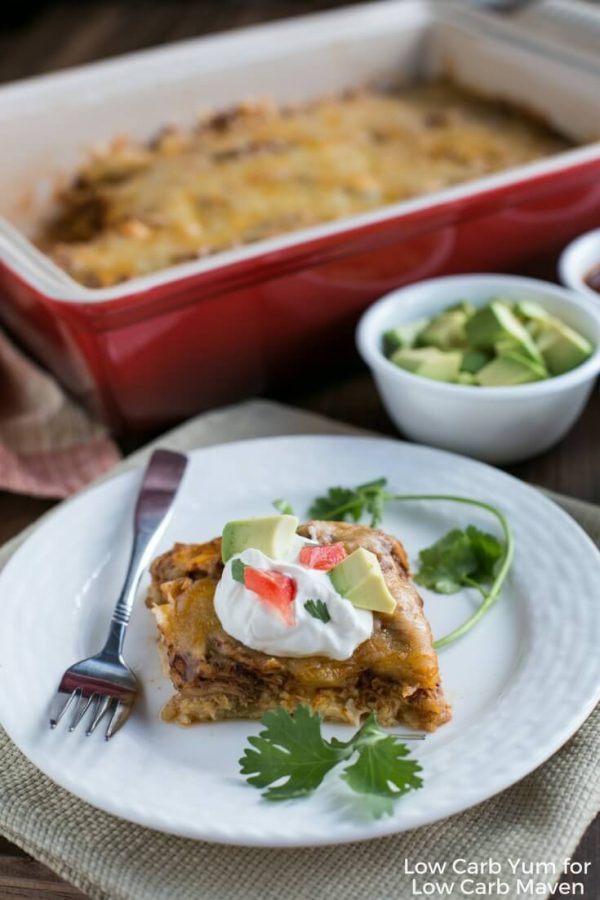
[49, 447]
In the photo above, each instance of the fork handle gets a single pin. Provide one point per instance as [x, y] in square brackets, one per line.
[160, 483]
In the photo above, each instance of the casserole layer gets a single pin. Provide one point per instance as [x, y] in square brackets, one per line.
[394, 673]
[261, 170]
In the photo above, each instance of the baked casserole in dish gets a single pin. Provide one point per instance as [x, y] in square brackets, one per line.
[135, 318]
[259, 171]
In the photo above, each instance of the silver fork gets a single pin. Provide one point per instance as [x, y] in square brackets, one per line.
[104, 683]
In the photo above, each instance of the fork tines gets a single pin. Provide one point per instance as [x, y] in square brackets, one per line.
[100, 705]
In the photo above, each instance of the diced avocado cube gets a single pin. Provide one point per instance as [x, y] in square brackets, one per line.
[530, 311]
[466, 378]
[430, 362]
[496, 323]
[411, 360]
[508, 370]
[509, 346]
[353, 569]
[539, 367]
[372, 593]
[359, 578]
[272, 535]
[403, 336]
[446, 331]
[474, 360]
[562, 347]
[464, 306]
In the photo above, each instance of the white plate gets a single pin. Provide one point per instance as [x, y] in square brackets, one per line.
[520, 683]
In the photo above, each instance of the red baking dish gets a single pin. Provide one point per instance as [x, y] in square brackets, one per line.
[156, 349]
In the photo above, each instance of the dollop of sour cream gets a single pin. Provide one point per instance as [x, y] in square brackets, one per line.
[258, 625]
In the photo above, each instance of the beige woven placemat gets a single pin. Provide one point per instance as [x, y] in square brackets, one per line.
[539, 820]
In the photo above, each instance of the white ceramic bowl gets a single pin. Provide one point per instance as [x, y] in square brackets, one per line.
[578, 259]
[496, 424]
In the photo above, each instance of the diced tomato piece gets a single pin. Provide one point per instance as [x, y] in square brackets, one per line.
[323, 558]
[275, 589]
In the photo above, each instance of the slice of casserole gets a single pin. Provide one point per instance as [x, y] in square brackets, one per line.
[393, 673]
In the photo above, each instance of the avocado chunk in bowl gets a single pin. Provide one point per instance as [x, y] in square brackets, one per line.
[503, 343]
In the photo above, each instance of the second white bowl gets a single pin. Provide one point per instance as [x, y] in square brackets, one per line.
[577, 260]
[496, 424]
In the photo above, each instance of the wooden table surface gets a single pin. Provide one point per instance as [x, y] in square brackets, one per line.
[41, 37]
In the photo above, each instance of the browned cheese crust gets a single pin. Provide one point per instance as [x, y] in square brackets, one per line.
[263, 170]
[394, 673]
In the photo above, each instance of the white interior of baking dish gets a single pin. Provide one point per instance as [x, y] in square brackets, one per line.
[48, 124]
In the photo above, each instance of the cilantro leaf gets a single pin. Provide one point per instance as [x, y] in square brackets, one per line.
[459, 559]
[292, 751]
[284, 507]
[237, 570]
[337, 502]
[343, 504]
[290, 747]
[318, 610]
[446, 564]
[488, 551]
[381, 770]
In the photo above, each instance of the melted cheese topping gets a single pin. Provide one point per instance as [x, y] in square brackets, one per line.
[262, 171]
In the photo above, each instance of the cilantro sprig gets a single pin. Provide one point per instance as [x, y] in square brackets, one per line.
[290, 758]
[382, 771]
[462, 558]
[342, 504]
[318, 610]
